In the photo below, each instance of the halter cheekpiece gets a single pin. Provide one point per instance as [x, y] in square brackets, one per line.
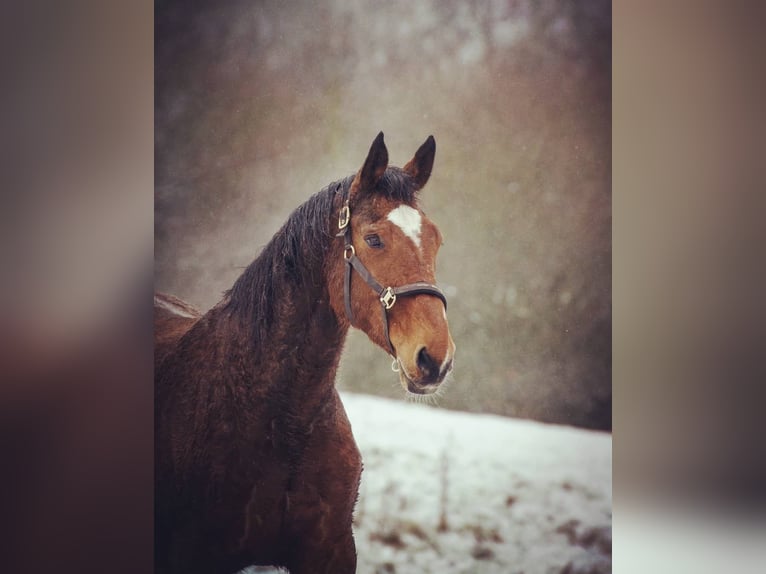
[386, 295]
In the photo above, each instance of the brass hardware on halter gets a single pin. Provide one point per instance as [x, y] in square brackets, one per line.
[348, 252]
[388, 298]
[344, 217]
[395, 365]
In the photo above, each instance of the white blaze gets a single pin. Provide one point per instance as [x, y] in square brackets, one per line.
[408, 220]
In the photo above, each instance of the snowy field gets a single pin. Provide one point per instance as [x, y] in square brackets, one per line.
[444, 491]
[448, 492]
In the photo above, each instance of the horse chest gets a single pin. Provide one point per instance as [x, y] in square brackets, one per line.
[321, 472]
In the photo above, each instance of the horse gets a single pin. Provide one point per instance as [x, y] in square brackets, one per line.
[255, 461]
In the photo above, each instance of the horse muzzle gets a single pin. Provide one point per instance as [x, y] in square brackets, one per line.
[430, 374]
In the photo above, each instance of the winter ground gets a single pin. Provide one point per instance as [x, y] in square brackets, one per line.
[444, 491]
[451, 492]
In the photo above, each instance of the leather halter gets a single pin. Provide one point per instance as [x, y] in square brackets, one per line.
[386, 295]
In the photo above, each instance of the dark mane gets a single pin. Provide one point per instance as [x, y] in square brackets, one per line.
[293, 257]
[295, 254]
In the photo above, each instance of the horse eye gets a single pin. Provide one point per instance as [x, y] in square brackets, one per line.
[373, 241]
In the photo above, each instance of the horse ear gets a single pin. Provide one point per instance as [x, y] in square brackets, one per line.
[419, 167]
[374, 166]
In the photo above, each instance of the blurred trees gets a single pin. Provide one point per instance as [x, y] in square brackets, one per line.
[260, 105]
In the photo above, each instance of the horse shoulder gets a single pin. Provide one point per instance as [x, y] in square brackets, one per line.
[320, 504]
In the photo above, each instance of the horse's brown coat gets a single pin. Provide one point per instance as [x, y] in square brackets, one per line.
[255, 462]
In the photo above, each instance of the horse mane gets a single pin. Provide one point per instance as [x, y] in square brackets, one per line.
[296, 253]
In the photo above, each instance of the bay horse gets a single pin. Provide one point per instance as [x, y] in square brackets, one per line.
[255, 462]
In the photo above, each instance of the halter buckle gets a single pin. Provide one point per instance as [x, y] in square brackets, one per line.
[388, 298]
[348, 252]
[344, 217]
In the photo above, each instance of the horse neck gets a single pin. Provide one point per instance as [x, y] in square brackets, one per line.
[280, 311]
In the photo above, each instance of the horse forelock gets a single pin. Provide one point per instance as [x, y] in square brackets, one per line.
[396, 185]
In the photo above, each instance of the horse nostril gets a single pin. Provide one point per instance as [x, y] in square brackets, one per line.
[426, 363]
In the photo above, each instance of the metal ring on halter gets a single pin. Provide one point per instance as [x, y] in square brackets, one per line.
[395, 365]
[388, 298]
[348, 249]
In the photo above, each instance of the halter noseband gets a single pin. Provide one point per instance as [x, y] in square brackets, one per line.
[386, 295]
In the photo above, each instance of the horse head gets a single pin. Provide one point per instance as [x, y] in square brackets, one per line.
[387, 266]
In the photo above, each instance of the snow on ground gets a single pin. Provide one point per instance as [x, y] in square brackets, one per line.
[452, 492]
[515, 495]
